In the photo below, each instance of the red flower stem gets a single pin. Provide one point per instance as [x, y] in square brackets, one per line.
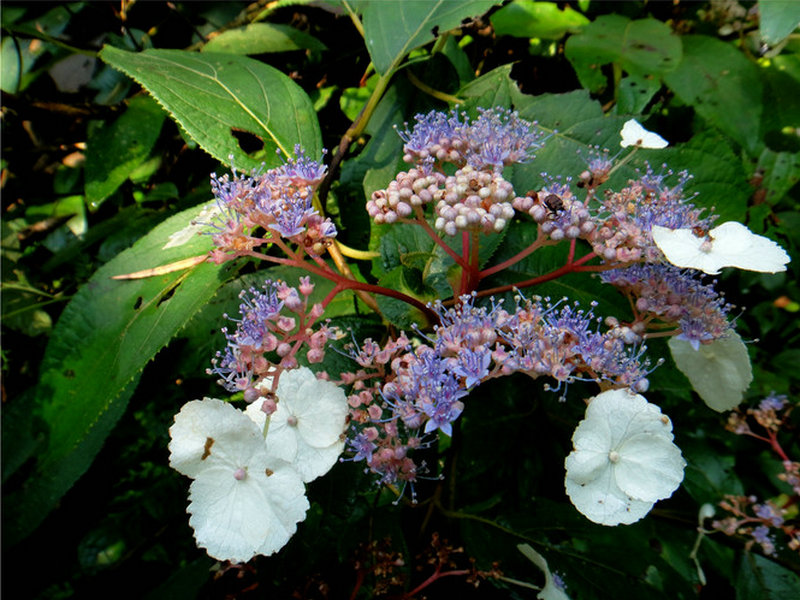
[359, 582]
[540, 242]
[567, 268]
[773, 442]
[285, 248]
[349, 284]
[420, 220]
[436, 575]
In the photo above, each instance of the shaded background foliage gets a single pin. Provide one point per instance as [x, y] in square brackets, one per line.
[95, 174]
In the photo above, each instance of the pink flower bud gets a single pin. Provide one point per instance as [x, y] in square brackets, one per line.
[315, 355]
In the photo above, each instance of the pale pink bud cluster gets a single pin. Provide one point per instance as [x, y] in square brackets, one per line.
[267, 340]
[558, 212]
[474, 200]
[411, 189]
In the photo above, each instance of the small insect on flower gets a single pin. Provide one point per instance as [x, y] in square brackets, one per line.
[554, 204]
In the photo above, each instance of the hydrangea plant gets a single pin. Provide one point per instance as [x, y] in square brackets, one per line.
[402, 394]
[492, 312]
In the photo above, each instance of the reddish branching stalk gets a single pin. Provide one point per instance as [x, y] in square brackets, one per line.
[343, 283]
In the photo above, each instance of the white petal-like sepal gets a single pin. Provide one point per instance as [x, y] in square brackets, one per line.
[198, 225]
[209, 432]
[306, 429]
[729, 245]
[624, 459]
[236, 519]
[242, 501]
[633, 134]
[719, 372]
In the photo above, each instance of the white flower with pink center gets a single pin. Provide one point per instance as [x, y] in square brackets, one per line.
[624, 460]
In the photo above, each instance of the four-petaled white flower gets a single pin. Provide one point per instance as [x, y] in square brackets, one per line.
[243, 502]
[306, 429]
[729, 245]
[633, 134]
[624, 459]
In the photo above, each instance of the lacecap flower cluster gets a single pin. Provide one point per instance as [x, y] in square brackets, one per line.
[647, 239]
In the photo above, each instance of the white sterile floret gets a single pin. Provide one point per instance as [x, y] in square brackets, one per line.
[719, 372]
[729, 245]
[633, 134]
[242, 501]
[306, 429]
[624, 459]
[199, 224]
[551, 590]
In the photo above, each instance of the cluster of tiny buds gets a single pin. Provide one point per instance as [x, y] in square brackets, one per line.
[278, 200]
[757, 521]
[264, 329]
[762, 521]
[411, 189]
[558, 212]
[405, 391]
[474, 200]
[599, 169]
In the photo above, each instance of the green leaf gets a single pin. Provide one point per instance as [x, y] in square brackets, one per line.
[575, 122]
[106, 335]
[635, 93]
[114, 151]
[382, 157]
[643, 47]
[781, 172]
[212, 96]
[459, 59]
[397, 243]
[262, 38]
[759, 578]
[26, 507]
[718, 81]
[777, 19]
[717, 182]
[393, 29]
[709, 474]
[397, 312]
[495, 88]
[353, 99]
[526, 18]
[20, 55]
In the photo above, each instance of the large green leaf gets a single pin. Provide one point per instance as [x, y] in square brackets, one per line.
[722, 86]
[527, 18]
[106, 335]
[495, 88]
[262, 38]
[717, 181]
[115, 150]
[777, 19]
[643, 47]
[393, 29]
[214, 96]
[759, 578]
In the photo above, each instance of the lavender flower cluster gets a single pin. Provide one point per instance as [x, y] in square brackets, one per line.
[278, 201]
[265, 332]
[404, 392]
